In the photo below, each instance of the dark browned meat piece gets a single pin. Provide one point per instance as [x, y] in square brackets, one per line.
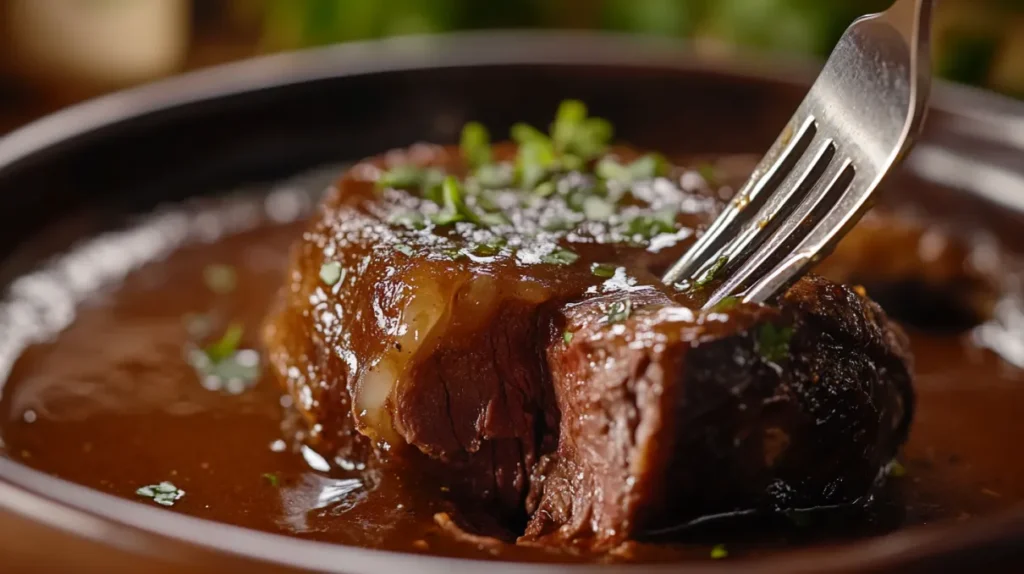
[672, 416]
[528, 355]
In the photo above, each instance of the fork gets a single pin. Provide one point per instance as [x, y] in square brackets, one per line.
[858, 121]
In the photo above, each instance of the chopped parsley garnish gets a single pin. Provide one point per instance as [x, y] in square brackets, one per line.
[330, 272]
[574, 133]
[227, 345]
[896, 470]
[619, 311]
[490, 247]
[534, 162]
[726, 304]
[495, 175]
[567, 336]
[604, 270]
[455, 208]
[475, 145]
[222, 366]
[712, 272]
[773, 342]
[719, 552]
[522, 133]
[647, 226]
[405, 249]
[409, 218]
[648, 166]
[220, 278]
[164, 493]
[546, 189]
[430, 187]
[708, 173]
[409, 177]
[609, 168]
[402, 177]
[272, 479]
[561, 257]
[453, 253]
[597, 209]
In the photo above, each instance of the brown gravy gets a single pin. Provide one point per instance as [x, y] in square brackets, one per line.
[112, 404]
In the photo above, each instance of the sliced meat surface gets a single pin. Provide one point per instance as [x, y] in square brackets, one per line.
[672, 415]
[519, 344]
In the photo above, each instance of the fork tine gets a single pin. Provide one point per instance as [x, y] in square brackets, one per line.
[798, 225]
[838, 219]
[773, 169]
[778, 206]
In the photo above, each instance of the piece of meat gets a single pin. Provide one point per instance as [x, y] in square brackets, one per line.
[674, 415]
[504, 357]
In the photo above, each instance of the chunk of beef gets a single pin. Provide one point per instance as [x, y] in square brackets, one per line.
[404, 335]
[673, 415]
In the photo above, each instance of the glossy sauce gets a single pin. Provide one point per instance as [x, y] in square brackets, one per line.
[112, 403]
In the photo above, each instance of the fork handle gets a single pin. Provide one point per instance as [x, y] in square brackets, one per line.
[912, 19]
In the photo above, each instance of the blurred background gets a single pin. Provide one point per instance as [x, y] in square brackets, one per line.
[55, 52]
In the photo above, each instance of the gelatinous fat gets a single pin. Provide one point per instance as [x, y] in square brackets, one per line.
[423, 318]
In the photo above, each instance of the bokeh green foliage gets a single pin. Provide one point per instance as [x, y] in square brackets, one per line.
[971, 35]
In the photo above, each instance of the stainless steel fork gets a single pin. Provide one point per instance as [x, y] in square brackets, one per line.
[859, 119]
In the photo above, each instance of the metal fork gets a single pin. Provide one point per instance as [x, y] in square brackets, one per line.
[858, 121]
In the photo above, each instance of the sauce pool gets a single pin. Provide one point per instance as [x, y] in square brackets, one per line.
[113, 403]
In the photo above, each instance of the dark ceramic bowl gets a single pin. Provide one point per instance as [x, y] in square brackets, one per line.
[275, 116]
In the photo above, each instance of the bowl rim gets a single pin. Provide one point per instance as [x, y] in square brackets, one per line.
[151, 531]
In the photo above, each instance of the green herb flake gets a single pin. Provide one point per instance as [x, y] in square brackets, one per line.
[409, 219]
[272, 479]
[567, 336]
[570, 116]
[430, 186]
[712, 272]
[708, 172]
[726, 304]
[330, 273]
[574, 133]
[534, 163]
[523, 133]
[227, 345]
[405, 250]
[164, 493]
[475, 145]
[896, 469]
[648, 166]
[604, 270]
[220, 279]
[773, 342]
[619, 311]
[560, 257]
[455, 208]
[597, 209]
[648, 226]
[546, 189]
[490, 247]
[609, 168]
[492, 219]
[402, 177]
[495, 175]
[453, 253]
[719, 552]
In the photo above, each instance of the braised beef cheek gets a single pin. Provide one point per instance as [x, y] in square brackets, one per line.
[519, 345]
